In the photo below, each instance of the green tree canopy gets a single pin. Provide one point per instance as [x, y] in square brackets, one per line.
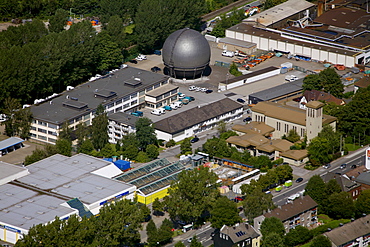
[100, 128]
[316, 189]
[224, 212]
[185, 146]
[321, 241]
[152, 151]
[256, 203]
[272, 224]
[340, 205]
[58, 21]
[332, 187]
[298, 235]
[293, 136]
[363, 202]
[145, 132]
[318, 151]
[192, 194]
[152, 233]
[273, 240]
[142, 157]
[64, 146]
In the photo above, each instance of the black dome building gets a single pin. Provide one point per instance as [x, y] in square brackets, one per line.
[186, 54]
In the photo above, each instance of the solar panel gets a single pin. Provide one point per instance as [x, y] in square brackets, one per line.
[240, 233]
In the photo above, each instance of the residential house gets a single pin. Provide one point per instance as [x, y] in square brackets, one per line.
[301, 211]
[240, 235]
[196, 120]
[355, 233]
[120, 124]
[364, 180]
[347, 185]
[315, 95]
[362, 83]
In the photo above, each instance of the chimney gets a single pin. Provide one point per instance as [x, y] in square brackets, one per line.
[320, 7]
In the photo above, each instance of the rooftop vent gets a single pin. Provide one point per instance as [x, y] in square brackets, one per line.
[8, 194]
[30, 200]
[40, 212]
[28, 217]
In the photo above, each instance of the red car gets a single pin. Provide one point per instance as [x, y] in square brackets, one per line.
[238, 198]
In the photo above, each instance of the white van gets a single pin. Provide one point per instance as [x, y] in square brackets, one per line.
[226, 53]
[178, 104]
[158, 111]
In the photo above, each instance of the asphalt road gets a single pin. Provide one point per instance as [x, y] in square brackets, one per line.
[203, 235]
[357, 158]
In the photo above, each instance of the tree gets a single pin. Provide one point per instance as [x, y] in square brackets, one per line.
[332, 187]
[179, 244]
[312, 82]
[318, 151]
[185, 146]
[157, 207]
[110, 55]
[273, 240]
[363, 202]
[145, 133]
[332, 137]
[256, 203]
[234, 70]
[221, 127]
[260, 162]
[58, 21]
[100, 128]
[152, 233]
[272, 224]
[224, 212]
[129, 140]
[65, 132]
[331, 82]
[152, 151]
[340, 205]
[11, 106]
[131, 152]
[293, 136]
[316, 189]
[298, 235]
[108, 150]
[192, 194]
[165, 232]
[64, 146]
[170, 143]
[142, 157]
[321, 241]
[86, 147]
[195, 242]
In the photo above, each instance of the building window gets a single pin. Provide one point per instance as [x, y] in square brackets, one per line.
[41, 130]
[164, 82]
[126, 98]
[278, 126]
[134, 102]
[157, 85]
[52, 140]
[42, 123]
[33, 128]
[42, 137]
[110, 105]
[133, 95]
[295, 128]
[167, 94]
[302, 132]
[126, 105]
[286, 128]
[149, 89]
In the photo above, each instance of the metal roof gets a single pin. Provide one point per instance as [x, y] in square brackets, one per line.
[86, 97]
[9, 172]
[10, 142]
[283, 89]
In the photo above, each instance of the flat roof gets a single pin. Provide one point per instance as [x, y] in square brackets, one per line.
[250, 75]
[280, 12]
[123, 118]
[9, 172]
[73, 177]
[278, 91]
[54, 112]
[250, 29]
[237, 42]
[10, 142]
[161, 90]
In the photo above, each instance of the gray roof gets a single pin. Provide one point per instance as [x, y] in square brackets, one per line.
[186, 48]
[191, 117]
[350, 231]
[250, 75]
[274, 92]
[24, 208]
[73, 177]
[161, 90]
[9, 172]
[82, 100]
[363, 178]
[237, 42]
[124, 118]
[10, 142]
[344, 183]
[239, 232]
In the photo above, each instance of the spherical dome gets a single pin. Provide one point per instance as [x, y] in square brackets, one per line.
[186, 53]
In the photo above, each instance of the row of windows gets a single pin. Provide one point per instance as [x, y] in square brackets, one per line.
[286, 128]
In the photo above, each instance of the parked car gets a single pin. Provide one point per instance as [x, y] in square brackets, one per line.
[353, 166]
[137, 113]
[133, 61]
[141, 57]
[158, 111]
[195, 139]
[155, 69]
[327, 166]
[203, 89]
[173, 106]
[198, 89]
[208, 91]
[238, 198]
[181, 95]
[192, 88]
[178, 104]
[226, 53]
[299, 180]
[247, 119]
[157, 52]
[190, 98]
[343, 166]
[240, 100]
[167, 108]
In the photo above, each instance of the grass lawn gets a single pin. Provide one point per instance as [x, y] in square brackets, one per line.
[352, 147]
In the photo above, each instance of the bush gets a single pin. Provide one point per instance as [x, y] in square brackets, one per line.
[170, 143]
[234, 70]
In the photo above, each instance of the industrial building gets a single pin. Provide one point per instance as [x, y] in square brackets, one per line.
[125, 90]
[57, 186]
[340, 35]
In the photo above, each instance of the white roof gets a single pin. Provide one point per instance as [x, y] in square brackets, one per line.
[10, 142]
[280, 12]
[9, 172]
[108, 171]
